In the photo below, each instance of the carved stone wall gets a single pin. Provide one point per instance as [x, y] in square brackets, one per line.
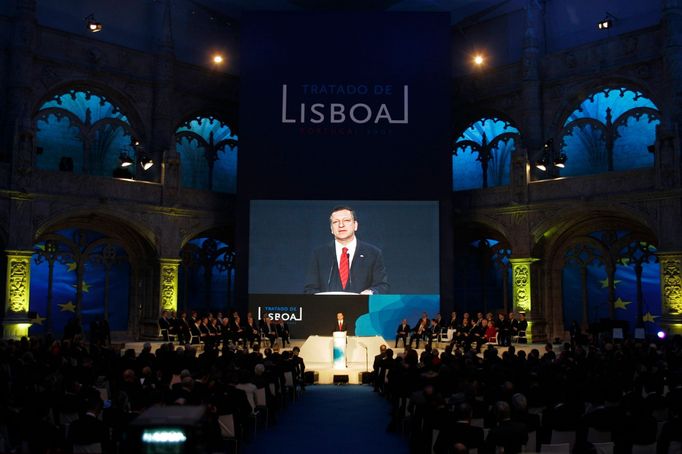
[18, 282]
[169, 284]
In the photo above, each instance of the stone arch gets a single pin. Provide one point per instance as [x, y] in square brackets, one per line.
[578, 93]
[208, 263]
[123, 101]
[140, 257]
[208, 149]
[553, 238]
[482, 152]
[482, 249]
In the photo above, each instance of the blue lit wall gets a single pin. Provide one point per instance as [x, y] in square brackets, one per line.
[59, 133]
[194, 293]
[625, 281]
[479, 138]
[64, 287]
[585, 144]
[196, 149]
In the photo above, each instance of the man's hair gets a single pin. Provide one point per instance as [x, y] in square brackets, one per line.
[341, 208]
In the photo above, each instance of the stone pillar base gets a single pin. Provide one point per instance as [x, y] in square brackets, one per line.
[672, 324]
[15, 327]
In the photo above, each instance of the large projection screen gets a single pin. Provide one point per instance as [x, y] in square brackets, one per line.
[284, 236]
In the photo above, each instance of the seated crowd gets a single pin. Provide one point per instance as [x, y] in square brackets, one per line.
[75, 395]
[464, 332]
[592, 391]
[213, 330]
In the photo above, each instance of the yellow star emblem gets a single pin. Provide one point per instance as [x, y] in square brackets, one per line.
[67, 307]
[648, 317]
[72, 266]
[620, 304]
[38, 320]
[605, 283]
[40, 246]
[84, 286]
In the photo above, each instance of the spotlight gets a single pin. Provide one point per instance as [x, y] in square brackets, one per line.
[92, 24]
[561, 161]
[218, 59]
[478, 60]
[146, 162]
[126, 161]
[541, 164]
[607, 22]
[661, 334]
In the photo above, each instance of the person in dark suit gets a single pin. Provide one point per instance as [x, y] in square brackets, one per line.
[347, 264]
[340, 323]
[456, 429]
[401, 333]
[88, 430]
[511, 435]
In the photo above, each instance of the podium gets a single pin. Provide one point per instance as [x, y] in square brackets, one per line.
[339, 355]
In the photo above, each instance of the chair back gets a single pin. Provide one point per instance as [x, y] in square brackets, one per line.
[260, 397]
[226, 423]
[289, 379]
[93, 448]
[603, 448]
[557, 448]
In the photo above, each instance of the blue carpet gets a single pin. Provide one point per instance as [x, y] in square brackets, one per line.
[332, 420]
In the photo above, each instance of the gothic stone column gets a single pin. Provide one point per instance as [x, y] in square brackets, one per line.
[671, 290]
[521, 289]
[15, 321]
[169, 284]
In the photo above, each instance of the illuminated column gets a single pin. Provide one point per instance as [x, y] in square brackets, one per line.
[169, 284]
[671, 290]
[17, 295]
[521, 289]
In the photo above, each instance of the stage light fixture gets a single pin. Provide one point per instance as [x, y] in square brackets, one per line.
[146, 162]
[560, 161]
[607, 22]
[478, 59]
[126, 160]
[541, 164]
[92, 24]
[218, 59]
[661, 334]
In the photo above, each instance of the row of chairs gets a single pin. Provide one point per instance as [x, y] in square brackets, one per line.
[261, 415]
[447, 335]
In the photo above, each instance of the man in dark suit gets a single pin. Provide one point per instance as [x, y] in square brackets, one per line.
[509, 434]
[456, 429]
[401, 333]
[88, 430]
[340, 323]
[164, 325]
[346, 265]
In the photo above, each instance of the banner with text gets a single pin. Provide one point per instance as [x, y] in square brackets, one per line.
[345, 105]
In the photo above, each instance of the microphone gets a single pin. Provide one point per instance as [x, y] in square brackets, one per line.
[362, 345]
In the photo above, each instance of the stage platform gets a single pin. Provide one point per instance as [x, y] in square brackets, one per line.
[317, 353]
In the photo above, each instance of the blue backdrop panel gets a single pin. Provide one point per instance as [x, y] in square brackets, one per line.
[387, 311]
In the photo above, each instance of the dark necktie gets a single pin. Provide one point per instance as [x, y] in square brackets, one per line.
[343, 267]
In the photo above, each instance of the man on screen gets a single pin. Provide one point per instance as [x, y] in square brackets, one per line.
[346, 264]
